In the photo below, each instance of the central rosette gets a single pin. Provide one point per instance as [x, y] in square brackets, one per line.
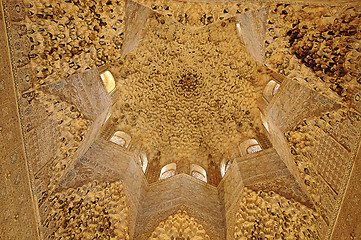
[187, 93]
[188, 84]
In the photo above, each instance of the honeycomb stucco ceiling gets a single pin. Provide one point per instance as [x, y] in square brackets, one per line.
[187, 91]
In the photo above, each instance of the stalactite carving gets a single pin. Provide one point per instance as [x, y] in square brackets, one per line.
[179, 226]
[93, 211]
[265, 215]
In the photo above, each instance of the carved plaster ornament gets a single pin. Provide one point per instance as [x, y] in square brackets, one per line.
[187, 92]
[65, 34]
[73, 126]
[303, 141]
[197, 13]
[271, 216]
[316, 46]
[94, 210]
[179, 226]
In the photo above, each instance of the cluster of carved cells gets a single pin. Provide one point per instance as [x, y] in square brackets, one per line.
[264, 215]
[72, 36]
[93, 211]
[302, 140]
[73, 127]
[179, 226]
[187, 91]
[199, 14]
[325, 40]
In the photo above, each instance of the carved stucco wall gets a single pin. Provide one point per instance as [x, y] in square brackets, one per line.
[105, 161]
[268, 215]
[67, 37]
[164, 198]
[136, 16]
[229, 192]
[172, 87]
[292, 103]
[323, 156]
[19, 215]
[252, 30]
[350, 207]
[95, 210]
[266, 171]
[179, 226]
[62, 120]
[316, 144]
[318, 46]
[72, 126]
[259, 171]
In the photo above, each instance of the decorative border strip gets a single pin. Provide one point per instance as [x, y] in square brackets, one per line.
[20, 112]
[344, 185]
[296, 2]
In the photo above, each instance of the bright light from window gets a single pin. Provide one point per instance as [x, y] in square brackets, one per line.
[167, 174]
[168, 171]
[118, 140]
[199, 176]
[108, 80]
[254, 148]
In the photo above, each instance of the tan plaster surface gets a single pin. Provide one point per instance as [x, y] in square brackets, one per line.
[17, 206]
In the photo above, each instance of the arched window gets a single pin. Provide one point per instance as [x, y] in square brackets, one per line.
[250, 146]
[225, 165]
[198, 172]
[108, 80]
[254, 148]
[270, 90]
[168, 171]
[143, 160]
[121, 138]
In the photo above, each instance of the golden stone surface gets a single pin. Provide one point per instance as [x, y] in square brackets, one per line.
[190, 96]
[187, 92]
